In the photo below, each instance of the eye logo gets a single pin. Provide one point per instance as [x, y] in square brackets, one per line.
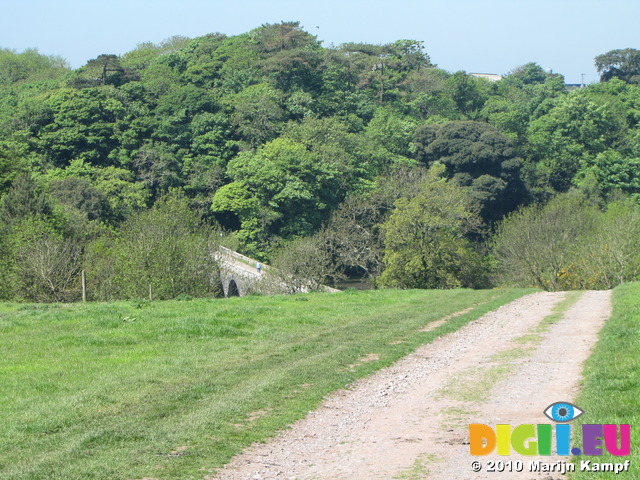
[562, 412]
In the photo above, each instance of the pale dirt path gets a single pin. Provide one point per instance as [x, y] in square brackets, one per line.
[552, 373]
[398, 421]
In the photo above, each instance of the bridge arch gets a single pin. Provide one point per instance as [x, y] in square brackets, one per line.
[232, 289]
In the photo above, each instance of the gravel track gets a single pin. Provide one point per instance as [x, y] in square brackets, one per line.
[411, 419]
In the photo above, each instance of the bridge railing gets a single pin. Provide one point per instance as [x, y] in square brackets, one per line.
[241, 258]
[276, 282]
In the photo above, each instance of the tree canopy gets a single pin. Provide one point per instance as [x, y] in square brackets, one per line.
[282, 144]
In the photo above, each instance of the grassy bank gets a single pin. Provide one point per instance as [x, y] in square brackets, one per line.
[611, 388]
[171, 390]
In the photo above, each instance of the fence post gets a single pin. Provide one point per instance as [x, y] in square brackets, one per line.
[84, 287]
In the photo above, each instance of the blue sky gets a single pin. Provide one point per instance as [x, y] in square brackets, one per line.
[491, 36]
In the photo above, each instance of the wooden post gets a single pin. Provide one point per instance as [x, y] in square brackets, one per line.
[84, 287]
[149, 292]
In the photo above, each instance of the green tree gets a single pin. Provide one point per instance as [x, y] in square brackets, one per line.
[608, 254]
[25, 198]
[257, 113]
[467, 92]
[29, 66]
[574, 131]
[158, 253]
[81, 124]
[530, 74]
[622, 63]
[425, 238]
[476, 155]
[281, 190]
[103, 70]
[391, 132]
[79, 194]
[608, 174]
[538, 245]
[12, 164]
[124, 195]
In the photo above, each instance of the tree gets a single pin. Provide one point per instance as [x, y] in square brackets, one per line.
[529, 74]
[354, 237]
[609, 251]
[467, 92]
[282, 36]
[476, 155]
[257, 113]
[622, 63]
[425, 238]
[157, 168]
[573, 132]
[12, 164]
[391, 132]
[103, 70]
[79, 194]
[281, 190]
[124, 195]
[29, 66]
[145, 53]
[610, 173]
[46, 265]
[80, 124]
[25, 198]
[303, 265]
[537, 245]
[159, 253]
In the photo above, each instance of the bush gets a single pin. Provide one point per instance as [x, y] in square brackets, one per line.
[161, 253]
[568, 244]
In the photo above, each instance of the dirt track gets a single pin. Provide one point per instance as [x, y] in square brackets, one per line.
[411, 419]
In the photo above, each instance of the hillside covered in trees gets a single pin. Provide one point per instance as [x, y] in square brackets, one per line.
[358, 160]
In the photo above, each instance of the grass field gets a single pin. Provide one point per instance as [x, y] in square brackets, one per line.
[611, 388]
[171, 390]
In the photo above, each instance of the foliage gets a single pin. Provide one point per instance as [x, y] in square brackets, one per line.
[610, 173]
[304, 265]
[425, 242]
[569, 244]
[608, 254]
[476, 155]
[575, 130]
[268, 132]
[537, 245]
[46, 264]
[29, 66]
[280, 190]
[622, 63]
[160, 253]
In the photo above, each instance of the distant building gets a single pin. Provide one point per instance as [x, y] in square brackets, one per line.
[492, 77]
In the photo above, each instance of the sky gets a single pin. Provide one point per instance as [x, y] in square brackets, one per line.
[490, 36]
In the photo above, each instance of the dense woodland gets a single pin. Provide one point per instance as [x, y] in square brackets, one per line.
[361, 161]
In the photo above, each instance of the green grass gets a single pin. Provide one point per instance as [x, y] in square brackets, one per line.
[611, 387]
[418, 470]
[171, 390]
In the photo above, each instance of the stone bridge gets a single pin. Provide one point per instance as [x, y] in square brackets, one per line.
[240, 276]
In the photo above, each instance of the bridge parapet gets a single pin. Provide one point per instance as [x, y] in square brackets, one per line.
[241, 275]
